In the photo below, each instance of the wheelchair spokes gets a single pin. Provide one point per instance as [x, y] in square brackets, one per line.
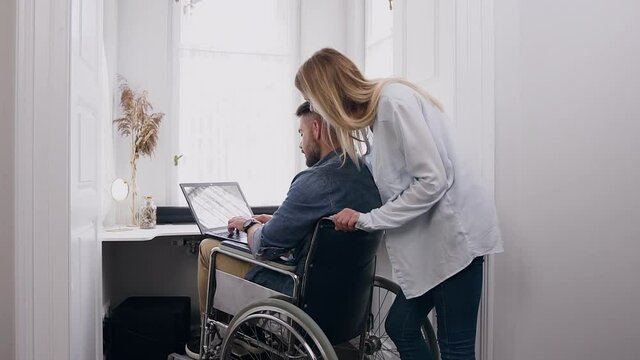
[377, 344]
[275, 329]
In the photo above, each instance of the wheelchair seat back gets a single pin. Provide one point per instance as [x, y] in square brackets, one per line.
[338, 280]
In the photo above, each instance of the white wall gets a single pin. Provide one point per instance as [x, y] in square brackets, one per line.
[323, 24]
[108, 137]
[7, 239]
[567, 175]
[143, 59]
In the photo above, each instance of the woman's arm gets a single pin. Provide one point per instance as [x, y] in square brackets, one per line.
[424, 163]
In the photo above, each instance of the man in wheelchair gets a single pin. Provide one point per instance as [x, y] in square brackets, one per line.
[330, 184]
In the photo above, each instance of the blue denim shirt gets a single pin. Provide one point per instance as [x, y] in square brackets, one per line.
[321, 190]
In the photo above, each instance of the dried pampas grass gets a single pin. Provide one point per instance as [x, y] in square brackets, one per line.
[142, 126]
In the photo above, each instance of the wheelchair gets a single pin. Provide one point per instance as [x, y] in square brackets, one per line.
[338, 305]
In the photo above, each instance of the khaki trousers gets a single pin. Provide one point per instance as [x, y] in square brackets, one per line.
[224, 263]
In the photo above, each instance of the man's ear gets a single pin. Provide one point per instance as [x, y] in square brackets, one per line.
[317, 129]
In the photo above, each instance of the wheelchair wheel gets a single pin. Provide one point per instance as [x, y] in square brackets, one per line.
[275, 329]
[378, 345]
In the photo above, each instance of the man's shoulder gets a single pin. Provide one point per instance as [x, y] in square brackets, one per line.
[306, 175]
[340, 164]
[310, 180]
[333, 168]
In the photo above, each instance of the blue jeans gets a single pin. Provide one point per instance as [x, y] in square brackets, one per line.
[456, 301]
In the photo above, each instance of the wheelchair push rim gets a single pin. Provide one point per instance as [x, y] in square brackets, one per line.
[275, 329]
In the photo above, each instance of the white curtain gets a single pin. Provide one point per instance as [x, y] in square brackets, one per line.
[236, 96]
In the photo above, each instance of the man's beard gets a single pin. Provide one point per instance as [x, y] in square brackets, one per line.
[312, 156]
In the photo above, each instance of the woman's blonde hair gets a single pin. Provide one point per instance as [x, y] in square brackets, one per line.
[344, 97]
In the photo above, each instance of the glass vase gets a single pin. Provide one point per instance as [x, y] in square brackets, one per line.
[147, 214]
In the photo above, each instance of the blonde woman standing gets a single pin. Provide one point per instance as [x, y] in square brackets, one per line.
[439, 222]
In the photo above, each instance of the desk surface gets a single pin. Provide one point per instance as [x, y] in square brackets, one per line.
[137, 234]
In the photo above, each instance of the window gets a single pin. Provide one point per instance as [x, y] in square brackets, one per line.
[378, 40]
[236, 96]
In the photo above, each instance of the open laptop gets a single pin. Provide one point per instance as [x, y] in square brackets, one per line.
[213, 204]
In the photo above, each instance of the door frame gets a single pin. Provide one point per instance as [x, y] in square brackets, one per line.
[45, 276]
[41, 180]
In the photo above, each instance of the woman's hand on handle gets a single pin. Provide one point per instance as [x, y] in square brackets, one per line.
[346, 220]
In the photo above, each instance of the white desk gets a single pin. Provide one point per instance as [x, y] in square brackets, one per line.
[150, 262]
[135, 234]
[160, 262]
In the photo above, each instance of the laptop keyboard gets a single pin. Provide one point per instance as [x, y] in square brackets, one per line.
[225, 234]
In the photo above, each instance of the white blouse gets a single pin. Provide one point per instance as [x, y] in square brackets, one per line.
[436, 216]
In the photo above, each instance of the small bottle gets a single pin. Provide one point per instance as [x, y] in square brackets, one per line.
[147, 215]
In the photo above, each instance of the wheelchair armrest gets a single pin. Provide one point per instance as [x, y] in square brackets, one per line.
[243, 251]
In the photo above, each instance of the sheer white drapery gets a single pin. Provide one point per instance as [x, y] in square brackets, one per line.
[236, 96]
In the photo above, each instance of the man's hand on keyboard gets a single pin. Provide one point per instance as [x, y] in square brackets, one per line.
[235, 224]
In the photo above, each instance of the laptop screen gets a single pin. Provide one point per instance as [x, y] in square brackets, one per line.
[213, 204]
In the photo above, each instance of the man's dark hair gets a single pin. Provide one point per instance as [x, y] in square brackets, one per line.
[303, 109]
